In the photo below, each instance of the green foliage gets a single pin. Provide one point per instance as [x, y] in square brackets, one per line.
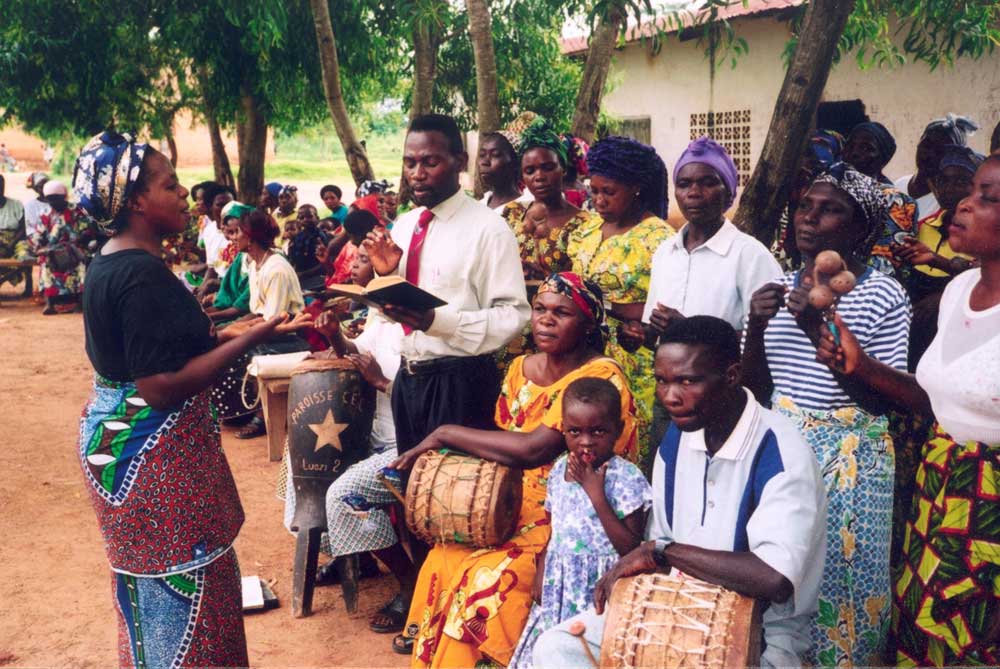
[531, 72]
[889, 33]
[66, 67]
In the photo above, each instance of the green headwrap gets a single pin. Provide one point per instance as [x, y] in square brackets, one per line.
[540, 134]
[235, 209]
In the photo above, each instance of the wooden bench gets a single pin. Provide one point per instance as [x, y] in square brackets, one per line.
[13, 271]
[274, 400]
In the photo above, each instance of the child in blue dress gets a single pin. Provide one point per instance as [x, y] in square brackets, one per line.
[598, 503]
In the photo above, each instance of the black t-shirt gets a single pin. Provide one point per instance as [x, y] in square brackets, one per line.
[139, 318]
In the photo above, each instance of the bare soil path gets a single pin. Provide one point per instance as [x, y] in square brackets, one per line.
[55, 597]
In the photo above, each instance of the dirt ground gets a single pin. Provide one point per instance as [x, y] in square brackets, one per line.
[56, 599]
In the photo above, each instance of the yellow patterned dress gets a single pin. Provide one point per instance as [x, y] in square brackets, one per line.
[540, 257]
[620, 265]
[470, 606]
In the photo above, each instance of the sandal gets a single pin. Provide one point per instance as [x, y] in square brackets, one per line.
[254, 428]
[391, 618]
[403, 644]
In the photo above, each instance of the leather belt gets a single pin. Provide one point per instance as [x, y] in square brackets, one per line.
[444, 363]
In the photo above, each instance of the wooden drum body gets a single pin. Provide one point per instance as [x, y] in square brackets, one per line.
[330, 412]
[455, 498]
[661, 620]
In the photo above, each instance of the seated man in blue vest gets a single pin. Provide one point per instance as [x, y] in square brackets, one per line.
[738, 500]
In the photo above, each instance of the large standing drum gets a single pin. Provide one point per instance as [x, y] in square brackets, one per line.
[673, 620]
[330, 411]
[461, 499]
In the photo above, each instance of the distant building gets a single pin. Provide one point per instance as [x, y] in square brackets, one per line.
[666, 98]
[194, 147]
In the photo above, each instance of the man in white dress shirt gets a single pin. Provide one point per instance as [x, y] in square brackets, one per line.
[738, 500]
[464, 253]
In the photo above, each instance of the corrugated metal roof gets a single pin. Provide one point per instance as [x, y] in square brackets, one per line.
[575, 45]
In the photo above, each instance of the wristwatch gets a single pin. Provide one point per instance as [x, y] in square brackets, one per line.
[659, 556]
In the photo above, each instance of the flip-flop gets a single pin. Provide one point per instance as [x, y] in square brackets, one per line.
[403, 644]
[396, 611]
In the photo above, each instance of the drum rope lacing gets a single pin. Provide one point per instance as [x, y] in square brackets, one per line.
[636, 623]
[448, 482]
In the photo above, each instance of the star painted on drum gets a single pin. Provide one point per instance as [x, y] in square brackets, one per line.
[328, 432]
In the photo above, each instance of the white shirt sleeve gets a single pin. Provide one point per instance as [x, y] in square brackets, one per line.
[788, 528]
[497, 274]
[656, 273]
[657, 526]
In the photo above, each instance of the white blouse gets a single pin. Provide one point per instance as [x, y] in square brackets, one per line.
[961, 369]
[274, 287]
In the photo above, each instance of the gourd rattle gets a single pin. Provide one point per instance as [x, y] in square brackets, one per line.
[831, 280]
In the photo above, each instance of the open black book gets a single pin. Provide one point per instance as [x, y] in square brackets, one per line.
[384, 290]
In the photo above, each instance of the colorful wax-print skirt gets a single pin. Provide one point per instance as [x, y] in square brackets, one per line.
[191, 619]
[165, 497]
[857, 460]
[947, 591]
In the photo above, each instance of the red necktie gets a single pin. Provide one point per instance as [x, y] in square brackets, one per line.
[416, 247]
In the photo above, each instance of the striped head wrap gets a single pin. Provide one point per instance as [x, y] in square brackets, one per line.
[588, 298]
[105, 174]
[632, 163]
[957, 127]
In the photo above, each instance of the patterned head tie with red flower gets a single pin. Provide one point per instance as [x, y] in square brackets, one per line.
[588, 298]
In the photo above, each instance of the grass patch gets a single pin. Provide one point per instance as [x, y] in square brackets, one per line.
[313, 156]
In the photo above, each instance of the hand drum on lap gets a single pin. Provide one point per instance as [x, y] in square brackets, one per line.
[460, 499]
[330, 411]
[661, 620]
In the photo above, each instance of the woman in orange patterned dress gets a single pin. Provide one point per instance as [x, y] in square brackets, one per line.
[470, 606]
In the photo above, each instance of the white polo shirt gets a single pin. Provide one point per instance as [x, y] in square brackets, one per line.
[716, 279]
[761, 492]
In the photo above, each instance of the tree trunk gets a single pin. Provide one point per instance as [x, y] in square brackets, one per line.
[766, 194]
[357, 158]
[487, 96]
[595, 73]
[426, 41]
[251, 138]
[168, 134]
[220, 160]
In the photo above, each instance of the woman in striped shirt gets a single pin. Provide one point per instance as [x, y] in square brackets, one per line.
[841, 418]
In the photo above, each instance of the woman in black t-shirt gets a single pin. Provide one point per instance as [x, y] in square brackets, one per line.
[149, 443]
